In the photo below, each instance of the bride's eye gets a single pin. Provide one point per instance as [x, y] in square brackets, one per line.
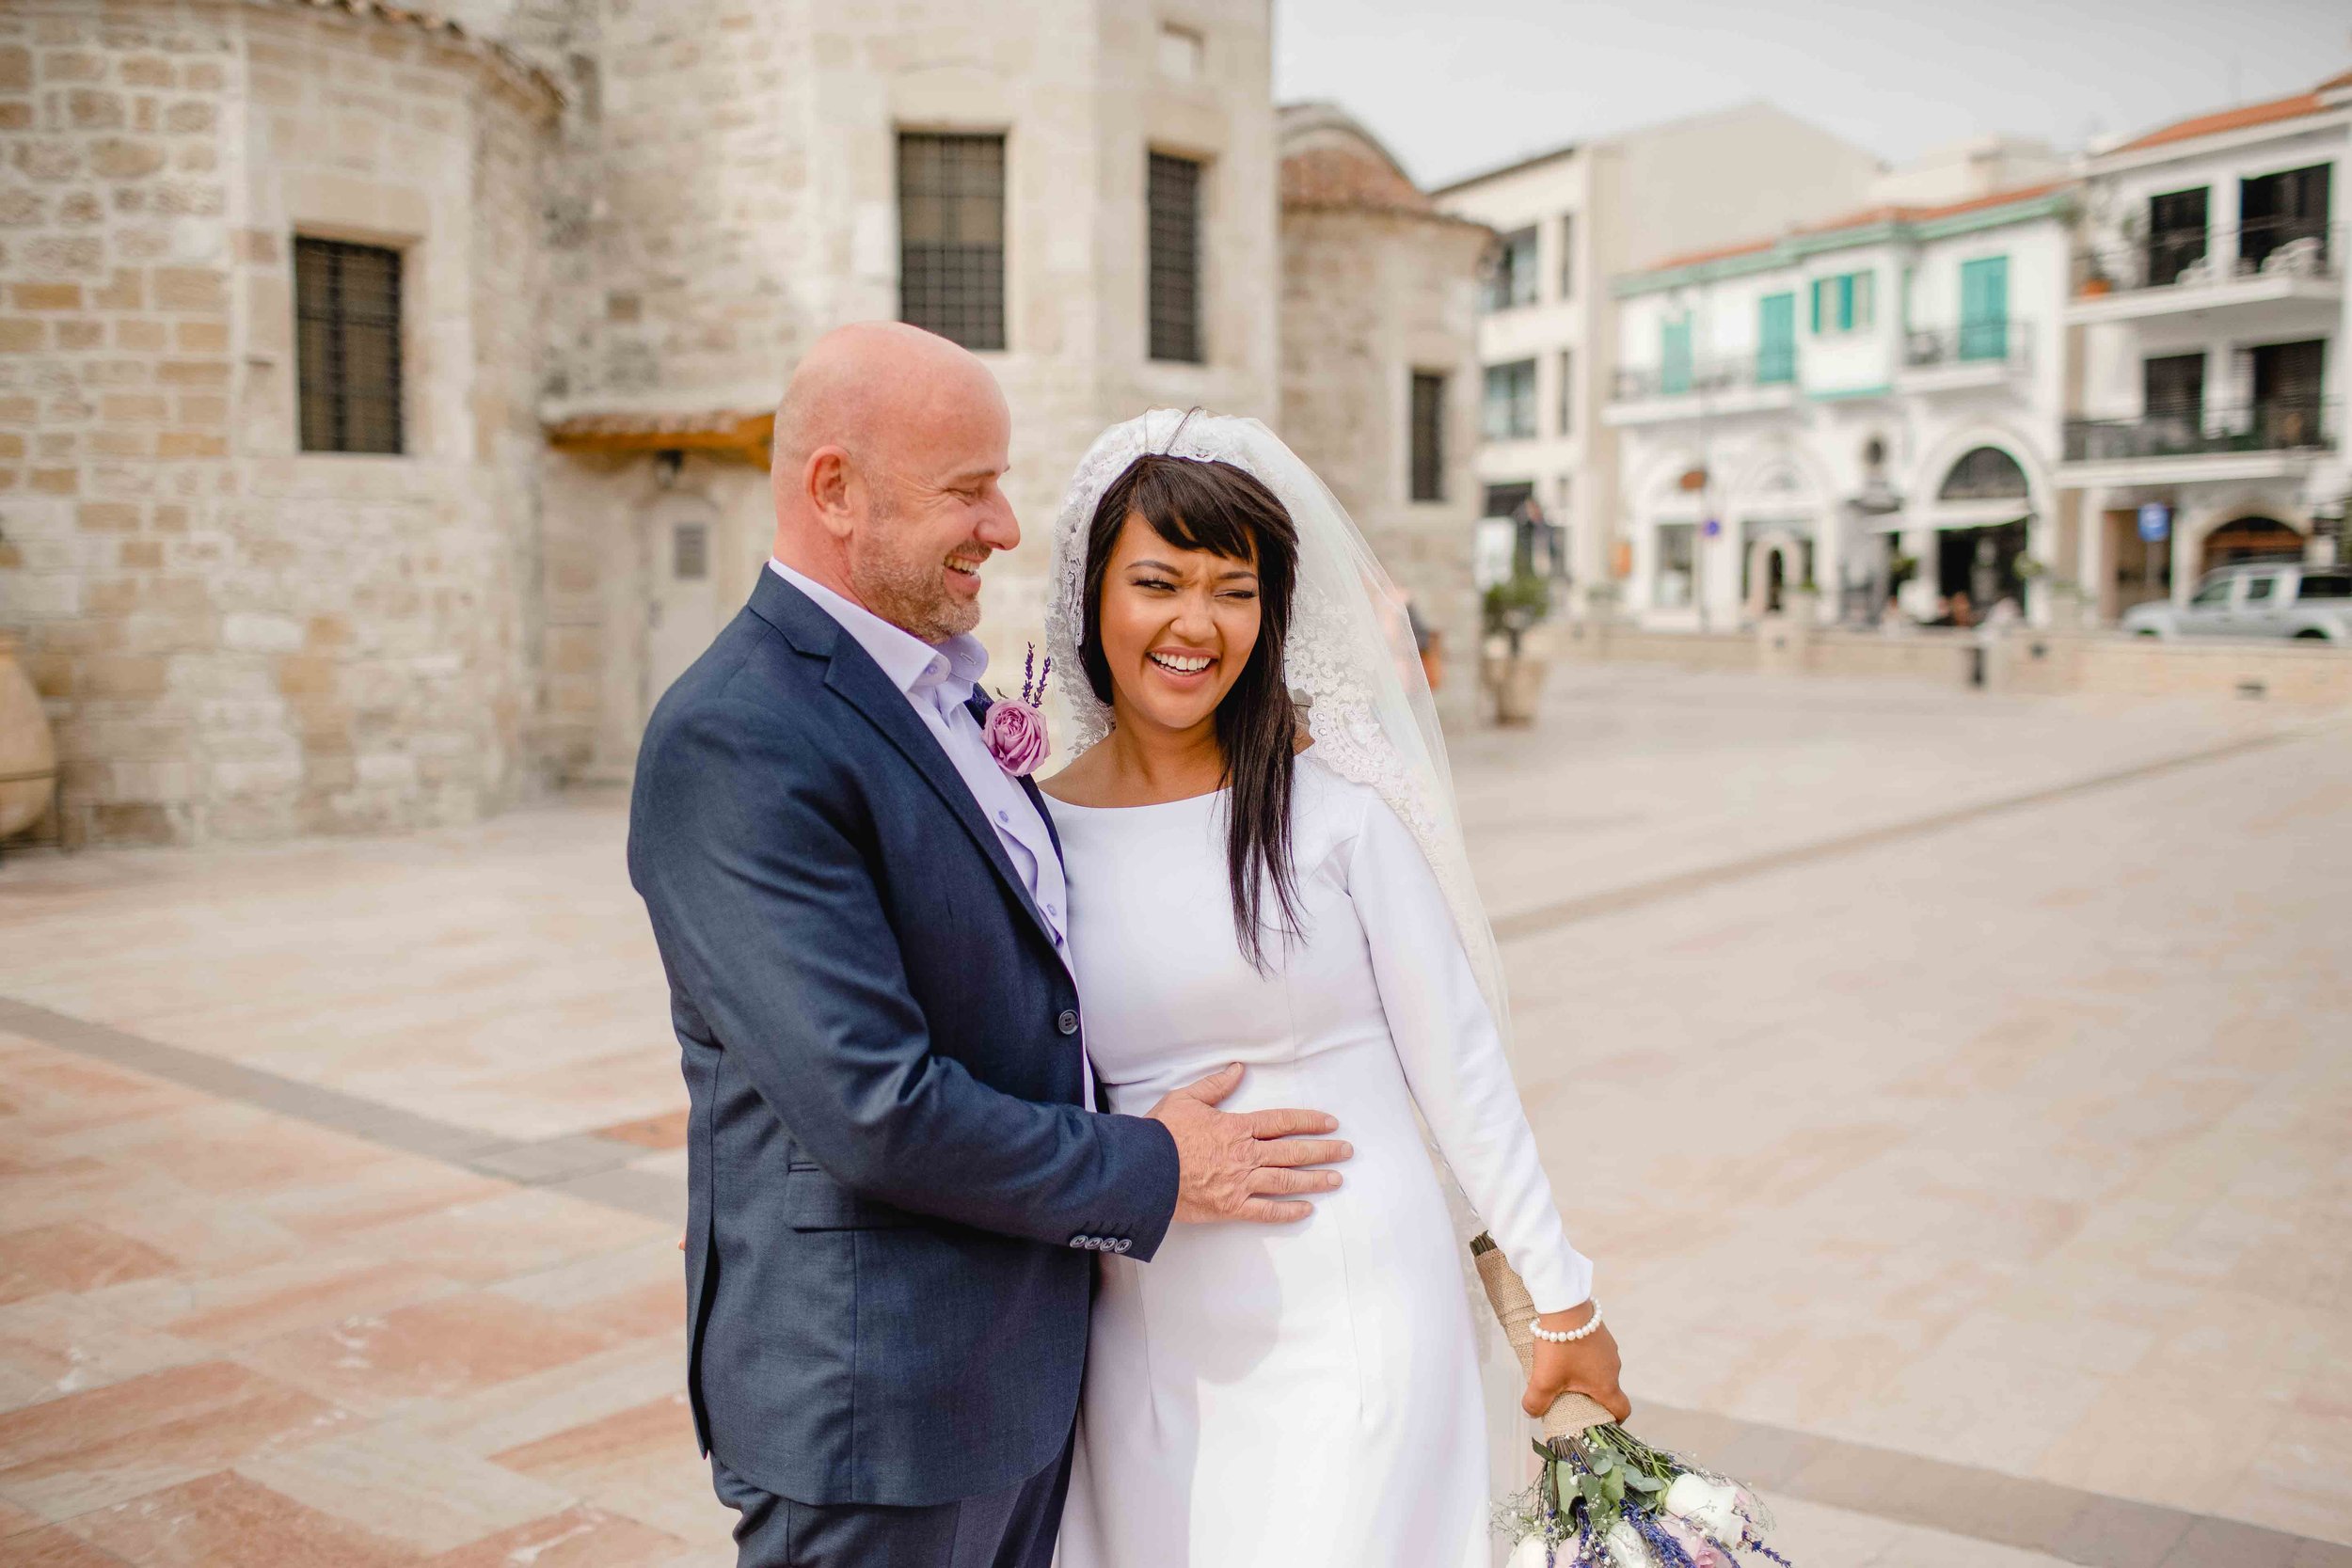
[1160, 583]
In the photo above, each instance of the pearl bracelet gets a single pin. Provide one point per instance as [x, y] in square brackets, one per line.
[1569, 1337]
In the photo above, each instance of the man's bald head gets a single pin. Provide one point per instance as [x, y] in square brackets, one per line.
[889, 444]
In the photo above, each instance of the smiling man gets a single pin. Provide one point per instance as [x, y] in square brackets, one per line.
[897, 1191]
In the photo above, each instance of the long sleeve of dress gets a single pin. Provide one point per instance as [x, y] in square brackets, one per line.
[1454, 1059]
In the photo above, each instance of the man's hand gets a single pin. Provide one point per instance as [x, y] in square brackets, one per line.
[1227, 1164]
[1589, 1367]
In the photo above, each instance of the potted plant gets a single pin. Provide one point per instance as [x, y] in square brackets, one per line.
[1517, 651]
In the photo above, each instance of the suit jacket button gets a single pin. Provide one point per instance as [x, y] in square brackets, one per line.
[1080, 1241]
[1122, 1244]
[1068, 1022]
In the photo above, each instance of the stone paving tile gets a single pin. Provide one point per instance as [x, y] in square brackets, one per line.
[54, 1546]
[85, 1450]
[451, 1345]
[575, 1538]
[406, 1489]
[222, 1519]
[71, 1256]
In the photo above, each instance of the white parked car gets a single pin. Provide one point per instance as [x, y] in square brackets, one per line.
[2270, 599]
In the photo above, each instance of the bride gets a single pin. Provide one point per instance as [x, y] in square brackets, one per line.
[1284, 888]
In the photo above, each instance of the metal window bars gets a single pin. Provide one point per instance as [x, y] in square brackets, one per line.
[1174, 201]
[951, 236]
[347, 350]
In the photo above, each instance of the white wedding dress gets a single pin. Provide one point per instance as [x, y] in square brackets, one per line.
[1298, 1396]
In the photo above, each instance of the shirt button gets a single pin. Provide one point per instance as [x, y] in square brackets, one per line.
[1004, 816]
[1068, 1022]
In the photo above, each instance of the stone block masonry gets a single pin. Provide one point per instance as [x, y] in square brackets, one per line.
[237, 639]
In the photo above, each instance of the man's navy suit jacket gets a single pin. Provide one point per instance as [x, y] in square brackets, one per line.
[895, 1199]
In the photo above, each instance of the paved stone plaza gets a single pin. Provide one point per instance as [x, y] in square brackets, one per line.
[1953, 1091]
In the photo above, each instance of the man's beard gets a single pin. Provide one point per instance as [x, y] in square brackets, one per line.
[910, 594]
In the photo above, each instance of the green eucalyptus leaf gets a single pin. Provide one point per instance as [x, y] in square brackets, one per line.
[1640, 1483]
[1590, 1485]
[1602, 1461]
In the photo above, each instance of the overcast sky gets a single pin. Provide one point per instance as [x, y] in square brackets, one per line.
[1454, 86]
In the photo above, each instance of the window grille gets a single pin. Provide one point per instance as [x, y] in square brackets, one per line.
[1174, 201]
[1428, 436]
[347, 346]
[951, 236]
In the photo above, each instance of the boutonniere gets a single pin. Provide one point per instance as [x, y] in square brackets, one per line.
[1015, 730]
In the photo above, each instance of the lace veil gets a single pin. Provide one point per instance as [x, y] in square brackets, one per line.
[1351, 661]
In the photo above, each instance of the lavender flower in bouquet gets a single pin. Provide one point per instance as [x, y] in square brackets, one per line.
[1605, 1498]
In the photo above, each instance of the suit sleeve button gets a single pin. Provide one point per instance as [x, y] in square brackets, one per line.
[1068, 1022]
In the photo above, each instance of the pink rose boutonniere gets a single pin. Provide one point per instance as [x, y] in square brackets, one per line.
[1015, 730]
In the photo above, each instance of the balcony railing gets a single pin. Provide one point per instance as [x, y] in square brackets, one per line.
[2192, 258]
[1770, 367]
[2283, 424]
[1969, 343]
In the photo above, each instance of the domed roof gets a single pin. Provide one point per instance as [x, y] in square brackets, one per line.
[1331, 160]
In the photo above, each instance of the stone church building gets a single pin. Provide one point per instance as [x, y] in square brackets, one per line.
[385, 396]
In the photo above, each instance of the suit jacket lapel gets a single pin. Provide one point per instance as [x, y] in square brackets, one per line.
[855, 676]
[852, 674]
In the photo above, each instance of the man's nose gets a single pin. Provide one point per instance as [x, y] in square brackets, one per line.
[999, 528]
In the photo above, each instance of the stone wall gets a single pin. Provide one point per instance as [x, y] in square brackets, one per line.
[1368, 299]
[729, 193]
[237, 639]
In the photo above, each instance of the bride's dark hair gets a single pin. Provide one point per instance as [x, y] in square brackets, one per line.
[1200, 504]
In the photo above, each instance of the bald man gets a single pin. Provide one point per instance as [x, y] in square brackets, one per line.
[895, 1189]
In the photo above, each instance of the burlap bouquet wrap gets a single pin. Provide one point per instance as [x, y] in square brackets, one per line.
[1571, 1412]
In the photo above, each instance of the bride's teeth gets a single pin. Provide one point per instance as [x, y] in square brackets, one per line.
[1181, 665]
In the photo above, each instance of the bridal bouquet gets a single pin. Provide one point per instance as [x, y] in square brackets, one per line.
[1607, 1499]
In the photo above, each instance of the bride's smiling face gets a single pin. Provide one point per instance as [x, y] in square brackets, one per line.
[1177, 627]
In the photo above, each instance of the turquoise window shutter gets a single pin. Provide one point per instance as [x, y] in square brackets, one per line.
[1984, 309]
[1818, 285]
[1674, 357]
[1845, 302]
[1776, 338]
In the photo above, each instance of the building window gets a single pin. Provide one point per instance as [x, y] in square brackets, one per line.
[951, 237]
[1510, 280]
[1671, 579]
[1180, 53]
[1174, 200]
[2176, 234]
[1568, 256]
[347, 345]
[1510, 411]
[1428, 476]
[1984, 308]
[1776, 339]
[1843, 304]
[1567, 391]
[1504, 501]
[1674, 355]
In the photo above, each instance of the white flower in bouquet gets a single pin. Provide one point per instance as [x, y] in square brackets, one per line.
[1533, 1551]
[1627, 1549]
[1713, 1506]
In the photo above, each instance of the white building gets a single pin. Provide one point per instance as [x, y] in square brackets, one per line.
[1868, 405]
[2209, 303]
[1571, 219]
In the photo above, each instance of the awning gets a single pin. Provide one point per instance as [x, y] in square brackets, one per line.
[722, 433]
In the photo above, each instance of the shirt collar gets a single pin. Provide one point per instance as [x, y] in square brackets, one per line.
[910, 663]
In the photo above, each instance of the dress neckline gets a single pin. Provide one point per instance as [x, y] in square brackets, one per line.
[1060, 804]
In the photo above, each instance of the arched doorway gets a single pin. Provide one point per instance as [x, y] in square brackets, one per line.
[1978, 555]
[2251, 539]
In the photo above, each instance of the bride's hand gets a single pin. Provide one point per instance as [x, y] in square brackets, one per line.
[1589, 1367]
[1228, 1164]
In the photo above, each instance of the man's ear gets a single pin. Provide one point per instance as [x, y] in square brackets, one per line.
[830, 485]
